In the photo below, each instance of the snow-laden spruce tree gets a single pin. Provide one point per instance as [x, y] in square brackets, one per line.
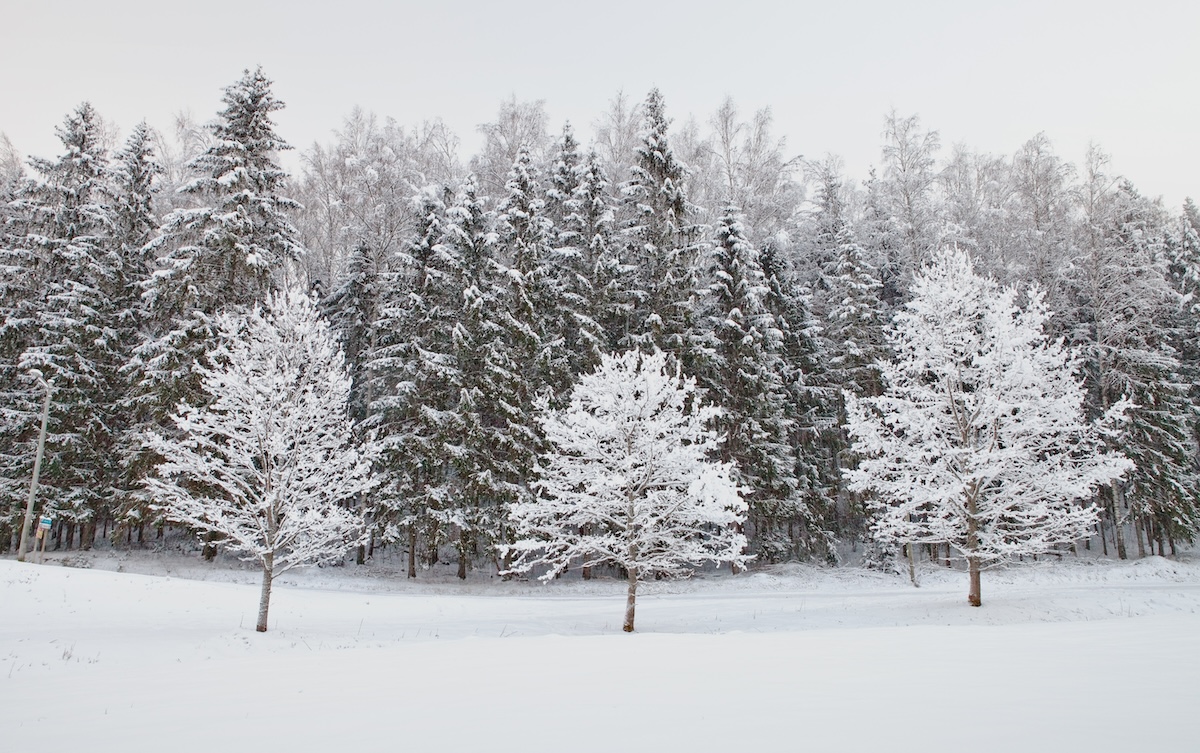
[745, 377]
[271, 464]
[133, 179]
[629, 480]
[223, 253]
[60, 322]
[660, 243]
[978, 440]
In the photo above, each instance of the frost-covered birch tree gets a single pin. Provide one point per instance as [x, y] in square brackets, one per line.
[629, 481]
[979, 439]
[272, 462]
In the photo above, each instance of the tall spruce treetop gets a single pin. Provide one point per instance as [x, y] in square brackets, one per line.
[563, 182]
[65, 325]
[828, 223]
[855, 318]
[487, 453]
[133, 179]
[880, 237]
[233, 245]
[414, 379]
[226, 253]
[577, 203]
[746, 380]
[352, 309]
[135, 172]
[593, 266]
[659, 240]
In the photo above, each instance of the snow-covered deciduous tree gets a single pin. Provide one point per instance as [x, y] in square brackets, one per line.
[910, 160]
[979, 439]
[271, 463]
[630, 481]
[754, 172]
[518, 125]
[616, 136]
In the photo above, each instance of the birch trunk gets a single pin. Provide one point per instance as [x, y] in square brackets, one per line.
[264, 601]
[1118, 520]
[975, 597]
[630, 600]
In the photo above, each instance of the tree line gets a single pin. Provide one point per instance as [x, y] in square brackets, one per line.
[470, 298]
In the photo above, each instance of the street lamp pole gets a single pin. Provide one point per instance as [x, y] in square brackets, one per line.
[37, 469]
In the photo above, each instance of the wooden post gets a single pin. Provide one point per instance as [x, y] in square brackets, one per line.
[37, 469]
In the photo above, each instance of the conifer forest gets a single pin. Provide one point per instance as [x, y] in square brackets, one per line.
[958, 358]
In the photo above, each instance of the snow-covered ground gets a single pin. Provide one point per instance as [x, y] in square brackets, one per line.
[1065, 656]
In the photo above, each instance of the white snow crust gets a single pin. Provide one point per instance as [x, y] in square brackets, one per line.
[1077, 655]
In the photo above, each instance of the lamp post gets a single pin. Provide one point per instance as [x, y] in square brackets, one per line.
[37, 466]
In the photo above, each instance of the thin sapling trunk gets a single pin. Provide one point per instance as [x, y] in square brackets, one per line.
[630, 600]
[264, 601]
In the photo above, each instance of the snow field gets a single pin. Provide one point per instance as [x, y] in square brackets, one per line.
[1062, 656]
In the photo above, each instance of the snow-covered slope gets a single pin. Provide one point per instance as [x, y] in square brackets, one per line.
[1067, 656]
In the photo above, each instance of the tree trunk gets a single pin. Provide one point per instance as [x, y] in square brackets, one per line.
[587, 571]
[975, 597]
[431, 539]
[1138, 525]
[733, 566]
[264, 601]
[412, 552]
[912, 564]
[630, 601]
[209, 552]
[462, 554]
[1118, 523]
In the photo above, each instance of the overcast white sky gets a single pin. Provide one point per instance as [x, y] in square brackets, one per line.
[1123, 74]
